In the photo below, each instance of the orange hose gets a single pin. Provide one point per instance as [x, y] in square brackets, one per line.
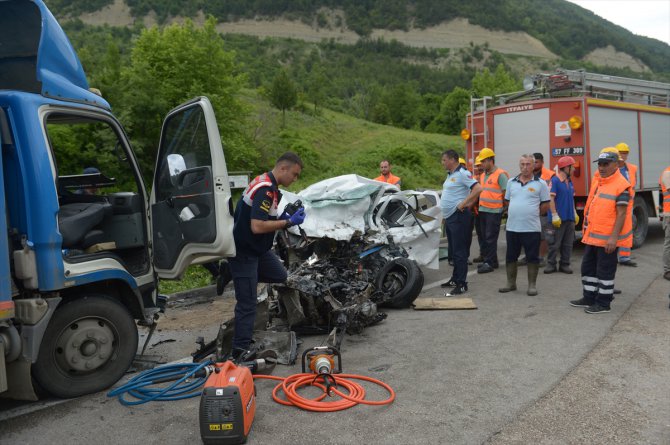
[354, 395]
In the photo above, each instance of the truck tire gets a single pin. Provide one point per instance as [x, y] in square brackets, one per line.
[402, 279]
[640, 221]
[88, 345]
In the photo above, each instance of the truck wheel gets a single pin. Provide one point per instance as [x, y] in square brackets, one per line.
[402, 279]
[640, 221]
[88, 345]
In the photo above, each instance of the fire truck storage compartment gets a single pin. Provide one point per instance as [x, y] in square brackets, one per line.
[518, 133]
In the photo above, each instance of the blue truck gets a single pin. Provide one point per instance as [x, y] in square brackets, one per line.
[84, 242]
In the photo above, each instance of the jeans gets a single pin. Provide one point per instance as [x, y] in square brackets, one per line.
[248, 270]
[530, 241]
[598, 271]
[490, 227]
[458, 225]
[564, 238]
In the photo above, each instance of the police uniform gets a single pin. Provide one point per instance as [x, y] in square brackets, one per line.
[254, 262]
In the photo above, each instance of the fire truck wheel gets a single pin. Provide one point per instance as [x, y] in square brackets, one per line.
[88, 345]
[640, 221]
[402, 279]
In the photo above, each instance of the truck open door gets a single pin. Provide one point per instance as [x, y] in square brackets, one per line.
[191, 208]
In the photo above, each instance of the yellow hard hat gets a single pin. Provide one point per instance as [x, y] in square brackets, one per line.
[461, 161]
[622, 147]
[486, 153]
[478, 161]
[611, 150]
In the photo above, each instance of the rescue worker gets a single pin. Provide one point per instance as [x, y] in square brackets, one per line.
[629, 171]
[563, 216]
[256, 221]
[477, 175]
[605, 228]
[664, 182]
[459, 192]
[494, 184]
[386, 175]
[527, 198]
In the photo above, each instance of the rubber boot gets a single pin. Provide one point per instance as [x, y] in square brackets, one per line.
[533, 269]
[511, 269]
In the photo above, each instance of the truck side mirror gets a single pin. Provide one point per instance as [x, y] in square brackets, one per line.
[176, 165]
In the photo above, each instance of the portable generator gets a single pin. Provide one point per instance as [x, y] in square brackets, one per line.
[227, 405]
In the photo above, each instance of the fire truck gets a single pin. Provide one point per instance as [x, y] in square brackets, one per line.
[576, 113]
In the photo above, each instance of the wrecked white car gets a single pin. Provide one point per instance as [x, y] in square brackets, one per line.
[360, 247]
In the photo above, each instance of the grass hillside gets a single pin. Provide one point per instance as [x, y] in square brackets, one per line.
[333, 144]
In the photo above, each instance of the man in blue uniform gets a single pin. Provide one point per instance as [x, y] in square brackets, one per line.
[256, 221]
[459, 192]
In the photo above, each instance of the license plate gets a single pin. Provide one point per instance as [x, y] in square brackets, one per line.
[567, 151]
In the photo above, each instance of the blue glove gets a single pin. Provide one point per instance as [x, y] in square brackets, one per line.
[298, 217]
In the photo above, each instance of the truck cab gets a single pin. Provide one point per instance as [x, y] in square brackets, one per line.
[86, 242]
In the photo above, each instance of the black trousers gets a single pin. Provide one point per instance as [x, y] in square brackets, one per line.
[490, 228]
[530, 241]
[459, 224]
[248, 271]
[598, 271]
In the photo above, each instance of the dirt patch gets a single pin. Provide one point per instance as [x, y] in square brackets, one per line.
[198, 315]
[609, 56]
[457, 33]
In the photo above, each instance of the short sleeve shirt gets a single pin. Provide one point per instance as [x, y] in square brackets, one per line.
[455, 189]
[564, 198]
[524, 204]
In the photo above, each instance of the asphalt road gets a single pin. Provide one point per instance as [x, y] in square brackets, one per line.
[518, 369]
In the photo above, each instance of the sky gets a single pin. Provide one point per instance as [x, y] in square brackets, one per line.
[650, 18]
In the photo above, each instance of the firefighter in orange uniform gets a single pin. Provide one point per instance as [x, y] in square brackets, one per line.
[386, 175]
[546, 174]
[491, 206]
[629, 171]
[605, 228]
[664, 182]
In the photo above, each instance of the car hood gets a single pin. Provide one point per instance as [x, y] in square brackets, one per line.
[346, 206]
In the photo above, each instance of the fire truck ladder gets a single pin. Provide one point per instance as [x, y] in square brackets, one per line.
[476, 105]
[604, 86]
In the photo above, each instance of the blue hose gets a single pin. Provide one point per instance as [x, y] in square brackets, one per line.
[184, 386]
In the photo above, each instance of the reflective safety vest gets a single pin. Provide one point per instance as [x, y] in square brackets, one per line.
[492, 195]
[392, 179]
[600, 211]
[547, 175]
[632, 177]
[259, 182]
[665, 194]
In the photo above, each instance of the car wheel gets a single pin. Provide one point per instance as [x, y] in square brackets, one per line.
[402, 280]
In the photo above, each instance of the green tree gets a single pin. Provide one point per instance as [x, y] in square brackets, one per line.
[500, 81]
[451, 118]
[283, 93]
[317, 82]
[171, 65]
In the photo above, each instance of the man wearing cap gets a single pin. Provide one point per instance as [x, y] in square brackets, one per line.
[563, 217]
[528, 199]
[494, 183]
[386, 175]
[459, 192]
[605, 228]
[629, 171]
